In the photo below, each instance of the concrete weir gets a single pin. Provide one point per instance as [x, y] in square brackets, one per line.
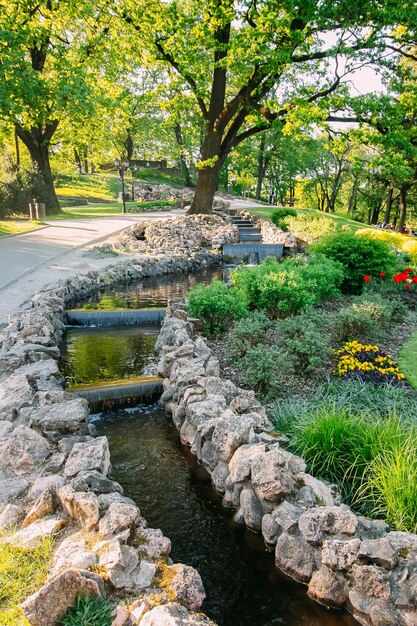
[250, 253]
[145, 390]
[125, 317]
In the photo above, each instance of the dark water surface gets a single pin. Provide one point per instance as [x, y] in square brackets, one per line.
[243, 586]
[96, 355]
[152, 292]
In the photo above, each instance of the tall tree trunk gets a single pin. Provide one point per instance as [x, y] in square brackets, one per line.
[376, 211]
[335, 190]
[78, 161]
[85, 156]
[208, 175]
[37, 142]
[403, 208]
[184, 167]
[17, 149]
[129, 146]
[353, 197]
[261, 167]
[388, 206]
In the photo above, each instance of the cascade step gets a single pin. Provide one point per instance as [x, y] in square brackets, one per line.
[244, 224]
[247, 237]
[145, 390]
[124, 317]
[247, 230]
[250, 253]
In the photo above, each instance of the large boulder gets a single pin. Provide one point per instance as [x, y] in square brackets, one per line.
[62, 417]
[23, 452]
[89, 455]
[53, 600]
[328, 587]
[81, 506]
[173, 614]
[186, 585]
[271, 479]
[320, 522]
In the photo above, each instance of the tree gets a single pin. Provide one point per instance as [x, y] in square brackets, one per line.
[238, 59]
[47, 72]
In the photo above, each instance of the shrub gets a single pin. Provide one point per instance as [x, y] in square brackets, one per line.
[359, 256]
[89, 612]
[262, 365]
[246, 333]
[404, 244]
[303, 338]
[309, 228]
[217, 305]
[385, 308]
[18, 188]
[22, 572]
[367, 316]
[278, 217]
[285, 288]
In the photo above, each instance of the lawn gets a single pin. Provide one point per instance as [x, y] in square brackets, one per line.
[97, 186]
[12, 227]
[340, 219]
[107, 209]
[408, 360]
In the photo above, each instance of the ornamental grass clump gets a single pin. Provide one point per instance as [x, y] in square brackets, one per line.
[368, 363]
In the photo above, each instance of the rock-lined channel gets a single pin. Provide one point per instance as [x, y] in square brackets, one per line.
[243, 586]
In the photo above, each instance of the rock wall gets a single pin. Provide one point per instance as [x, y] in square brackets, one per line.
[345, 559]
[54, 473]
[155, 191]
[178, 235]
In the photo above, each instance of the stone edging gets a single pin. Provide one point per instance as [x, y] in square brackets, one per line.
[345, 559]
[53, 472]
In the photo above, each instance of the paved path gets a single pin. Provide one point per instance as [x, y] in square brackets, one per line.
[22, 253]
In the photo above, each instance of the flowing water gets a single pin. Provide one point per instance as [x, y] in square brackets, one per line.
[242, 584]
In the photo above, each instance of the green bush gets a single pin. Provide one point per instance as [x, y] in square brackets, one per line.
[18, 188]
[309, 228]
[262, 365]
[247, 332]
[285, 288]
[217, 305]
[303, 337]
[89, 612]
[360, 256]
[278, 217]
[367, 317]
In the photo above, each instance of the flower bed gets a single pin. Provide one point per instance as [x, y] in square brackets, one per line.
[368, 363]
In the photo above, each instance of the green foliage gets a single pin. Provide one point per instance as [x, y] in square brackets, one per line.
[246, 333]
[217, 305]
[285, 288]
[363, 438]
[278, 215]
[359, 256]
[22, 572]
[305, 342]
[357, 322]
[310, 228]
[262, 365]
[408, 358]
[18, 188]
[89, 612]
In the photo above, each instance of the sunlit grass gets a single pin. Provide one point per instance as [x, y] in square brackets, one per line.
[408, 360]
[12, 227]
[22, 572]
[108, 209]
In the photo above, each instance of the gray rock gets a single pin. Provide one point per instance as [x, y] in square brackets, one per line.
[73, 553]
[89, 455]
[270, 480]
[270, 529]
[106, 499]
[63, 418]
[219, 476]
[117, 518]
[232, 431]
[44, 505]
[295, 557]
[186, 585]
[319, 522]
[241, 462]
[371, 581]
[15, 393]
[54, 599]
[46, 483]
[11, 489]
[96, 482]
[173, 614]
[286, 516]
[33, 535]
[81, 506]
[322, 493]
[339, 554]
[328, 587]
[251, 509]
[153, 544]
[23, 452]
[11, 517]
[378, 551]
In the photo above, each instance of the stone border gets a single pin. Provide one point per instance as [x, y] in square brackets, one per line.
[345, 559]
[53, 471]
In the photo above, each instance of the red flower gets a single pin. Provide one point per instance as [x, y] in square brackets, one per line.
[414, 279]
[382, 274]
[407, 286]
[397, 279]
[403, 275]
[366, 278]
[409, 269]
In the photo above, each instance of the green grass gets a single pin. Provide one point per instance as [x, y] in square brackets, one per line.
[11, 227]
[362, 437]
[102, 187]
[109, 208]
[22, 572]
[89, 612]
[408, 360]
[338, 218]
